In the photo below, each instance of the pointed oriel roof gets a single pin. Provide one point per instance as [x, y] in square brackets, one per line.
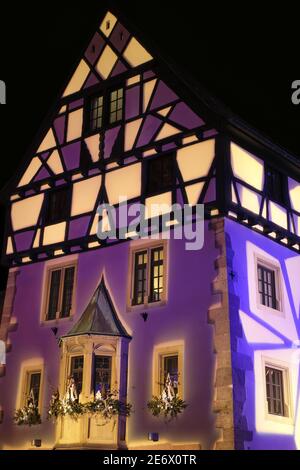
[99, 317]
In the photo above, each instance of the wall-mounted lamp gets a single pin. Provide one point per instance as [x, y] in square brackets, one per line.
[153, 436]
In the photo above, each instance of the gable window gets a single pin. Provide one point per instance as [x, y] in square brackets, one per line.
[169, 370]
[58, 206]
[275, 391]
[276, 185]
[60, 292]
[160, 173]
[76, 372]
[102, 374]
[116, 106]
[96, 113]
[148, 275]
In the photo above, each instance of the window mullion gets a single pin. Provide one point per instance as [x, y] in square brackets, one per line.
[60, 296]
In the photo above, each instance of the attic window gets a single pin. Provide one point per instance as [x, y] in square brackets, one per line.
[116, 106]
[160, 173]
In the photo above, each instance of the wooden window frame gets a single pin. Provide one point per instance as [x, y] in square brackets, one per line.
[51, 266]
[148, 191]
[134, 250]
[60, 217]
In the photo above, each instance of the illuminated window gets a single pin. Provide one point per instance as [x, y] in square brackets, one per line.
[76, 371]
[276, 184]
[275, 391]
[33, 387]
[102, 373]
[60, 292]
[267, 286]
[96, 113]
[58, 206]
[160, 173]
[149, 277]
[116, 106]
[169, 370]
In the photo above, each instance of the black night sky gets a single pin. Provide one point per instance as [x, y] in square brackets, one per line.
[243, 55]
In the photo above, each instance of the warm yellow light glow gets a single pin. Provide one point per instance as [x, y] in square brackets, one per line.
[78, 78]
[195, 160]
[54, 233]
[149, 152]
[247, 167]
[277, 214]
[166, 131]
[54, 162]
[31, 171]
[148, 90]
[9, 246]
[158, 205]
[108, 24]
[294, 190]
[48, 142]
[14, 197]
[233, 195]
[93, 244]
[193, 193]
[75, 125]
[131, 130]
[94, 227]
[36, 242]
[163, 112]
[249, 199]
[106, 62]
[63, 109]
[135, 54]
[85, 194]
[124, 182]
[133, 80]
[93, 144]
[76, 176]
[190, 139]
[25, 213]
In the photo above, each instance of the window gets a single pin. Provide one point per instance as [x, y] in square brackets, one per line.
[168, 360]
[33, 387]
[60, 292]
[102, 375]
[58, 206]
[275, 391]
[267, 286]
[116, 106]
[160, 173]
[96, 113]
[276, 185]
[169, 368]
[76, 371]
[149, 275]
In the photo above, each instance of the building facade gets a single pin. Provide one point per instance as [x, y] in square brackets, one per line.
[123, 313]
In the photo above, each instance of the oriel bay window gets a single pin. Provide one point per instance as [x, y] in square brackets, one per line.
[149, 279]
[60, 292]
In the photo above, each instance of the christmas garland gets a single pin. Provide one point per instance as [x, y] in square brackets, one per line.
[168, 403]
[28, 415]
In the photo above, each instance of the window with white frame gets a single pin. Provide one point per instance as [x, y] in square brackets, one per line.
[268, 285]
[60, 292]
[277, 390]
